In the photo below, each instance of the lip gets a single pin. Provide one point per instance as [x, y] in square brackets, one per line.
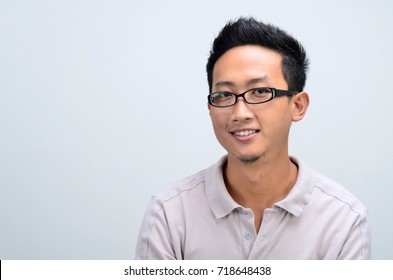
[244, 134]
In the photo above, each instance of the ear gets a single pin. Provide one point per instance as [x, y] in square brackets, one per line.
[300, 102]
[209, 107]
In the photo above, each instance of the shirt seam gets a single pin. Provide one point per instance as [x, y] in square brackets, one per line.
[359, 216]
[161, 203]
[339, 199]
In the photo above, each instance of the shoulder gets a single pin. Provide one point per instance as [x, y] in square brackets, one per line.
[323, 193]
[345, 214]
[319, 194]
[163, 216]
[193, 187]
[331, 190]
[180, 189]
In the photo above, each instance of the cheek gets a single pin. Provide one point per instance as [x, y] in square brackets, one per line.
[280, 125]
[219, 122]
[216, 122]
[220, 131]
[274, 119]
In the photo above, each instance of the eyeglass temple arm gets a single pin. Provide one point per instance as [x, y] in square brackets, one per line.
[280, 92]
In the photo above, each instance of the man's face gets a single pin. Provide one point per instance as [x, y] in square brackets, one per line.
[251, 131]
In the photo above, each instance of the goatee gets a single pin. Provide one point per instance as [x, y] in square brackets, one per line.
[249, 160]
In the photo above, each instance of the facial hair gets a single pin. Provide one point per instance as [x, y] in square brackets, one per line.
[250, 160]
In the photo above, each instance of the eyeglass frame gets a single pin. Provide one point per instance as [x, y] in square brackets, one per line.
[275, 93]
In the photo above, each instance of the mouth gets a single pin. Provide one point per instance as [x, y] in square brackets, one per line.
[245, 135]
[244, 132]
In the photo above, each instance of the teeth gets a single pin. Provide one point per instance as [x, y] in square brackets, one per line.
[245, 133]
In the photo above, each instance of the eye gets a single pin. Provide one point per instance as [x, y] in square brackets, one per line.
[222, 99]
[259, 95]
[222, 94]
[262, 91]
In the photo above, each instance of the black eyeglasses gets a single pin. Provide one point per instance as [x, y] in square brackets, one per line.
[259, 95]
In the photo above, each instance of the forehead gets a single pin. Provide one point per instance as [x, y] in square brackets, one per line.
[242, 64]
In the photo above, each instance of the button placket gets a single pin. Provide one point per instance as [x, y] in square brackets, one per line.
[265, 226]
[247, 230]
[271, 219]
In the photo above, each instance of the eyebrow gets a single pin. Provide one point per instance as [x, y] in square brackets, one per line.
[257, 80]
[249, 83]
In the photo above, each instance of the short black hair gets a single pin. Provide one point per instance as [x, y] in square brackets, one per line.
[248, 31]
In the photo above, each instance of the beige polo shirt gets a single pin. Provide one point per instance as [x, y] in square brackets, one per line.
[198, 219]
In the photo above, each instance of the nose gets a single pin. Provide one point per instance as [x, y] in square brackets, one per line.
[241, 111]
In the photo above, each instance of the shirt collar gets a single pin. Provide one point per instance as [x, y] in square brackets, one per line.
[221, 202]
[300, 194]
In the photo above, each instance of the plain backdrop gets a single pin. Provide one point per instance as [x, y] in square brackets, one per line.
[103, 103]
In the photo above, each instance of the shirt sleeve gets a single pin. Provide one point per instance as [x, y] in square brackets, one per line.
[358, 244]
[154, 241]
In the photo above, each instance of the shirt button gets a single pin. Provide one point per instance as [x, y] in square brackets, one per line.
[247, 235]
[242, 212]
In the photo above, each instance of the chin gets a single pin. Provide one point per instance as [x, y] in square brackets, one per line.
[249, 159]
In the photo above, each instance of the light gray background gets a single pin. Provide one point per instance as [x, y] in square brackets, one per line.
[82, 147]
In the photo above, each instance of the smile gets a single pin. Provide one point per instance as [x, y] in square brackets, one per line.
[244, 132]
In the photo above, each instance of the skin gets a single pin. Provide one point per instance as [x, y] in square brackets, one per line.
[259, 171]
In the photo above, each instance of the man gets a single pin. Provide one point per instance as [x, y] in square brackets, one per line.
[257, 202]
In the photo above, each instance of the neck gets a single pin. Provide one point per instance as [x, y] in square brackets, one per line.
[260, 184]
